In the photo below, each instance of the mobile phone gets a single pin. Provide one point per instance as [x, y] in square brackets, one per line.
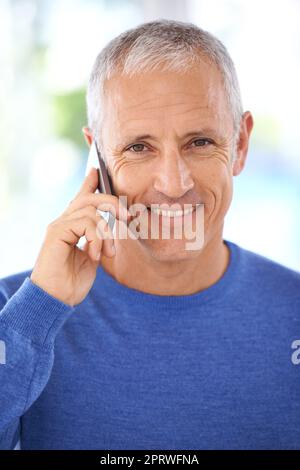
[105, 185]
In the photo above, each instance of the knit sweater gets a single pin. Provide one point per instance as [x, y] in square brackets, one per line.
[126, 369]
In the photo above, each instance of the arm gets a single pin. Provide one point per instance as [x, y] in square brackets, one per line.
[29, 323]
[31, 318]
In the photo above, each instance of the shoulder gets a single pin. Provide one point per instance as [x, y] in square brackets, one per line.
[265, 275]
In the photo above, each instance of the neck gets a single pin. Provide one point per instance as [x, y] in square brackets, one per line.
[181, 277]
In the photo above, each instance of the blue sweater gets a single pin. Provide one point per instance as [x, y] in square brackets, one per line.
[219, 369]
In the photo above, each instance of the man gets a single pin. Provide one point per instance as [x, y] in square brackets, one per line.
[139, 342]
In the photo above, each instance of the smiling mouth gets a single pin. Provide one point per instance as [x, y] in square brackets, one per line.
[171, 213]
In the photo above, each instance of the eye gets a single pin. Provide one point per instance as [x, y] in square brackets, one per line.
[202, 142]
[138, 148]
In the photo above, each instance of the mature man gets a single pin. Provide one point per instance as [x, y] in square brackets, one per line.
[139, 342]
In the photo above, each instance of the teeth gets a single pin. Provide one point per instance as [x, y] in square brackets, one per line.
[166, 213]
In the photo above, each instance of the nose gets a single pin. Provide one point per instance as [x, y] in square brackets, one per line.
[173, 177]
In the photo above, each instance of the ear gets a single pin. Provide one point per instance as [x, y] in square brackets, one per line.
[87, 135]
[242, 144]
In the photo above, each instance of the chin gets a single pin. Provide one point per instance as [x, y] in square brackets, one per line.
[168, 250]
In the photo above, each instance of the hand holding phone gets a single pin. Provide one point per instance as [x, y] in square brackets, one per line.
[62, 268]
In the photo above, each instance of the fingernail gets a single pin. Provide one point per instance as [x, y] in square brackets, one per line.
[113, 249]
[98, 256]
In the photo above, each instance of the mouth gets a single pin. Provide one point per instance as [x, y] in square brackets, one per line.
[171, 213]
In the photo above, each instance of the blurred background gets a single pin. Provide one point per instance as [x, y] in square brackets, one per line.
[47, 51]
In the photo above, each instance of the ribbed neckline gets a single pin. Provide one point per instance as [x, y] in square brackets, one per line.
[223, 287]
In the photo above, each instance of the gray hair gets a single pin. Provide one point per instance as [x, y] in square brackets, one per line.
[164, 45]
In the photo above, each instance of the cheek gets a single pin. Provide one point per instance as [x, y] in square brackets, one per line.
[130, 178]
[216, 183]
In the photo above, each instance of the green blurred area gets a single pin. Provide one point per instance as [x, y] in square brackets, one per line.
[69, 116]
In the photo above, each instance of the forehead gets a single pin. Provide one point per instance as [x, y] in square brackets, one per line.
[165, 98]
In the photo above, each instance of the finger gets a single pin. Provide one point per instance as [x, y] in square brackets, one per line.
[89, 211]
[95, 244]
[92, 249]
[105, 233]
[90, 183]
[70, 231]
[105, 202]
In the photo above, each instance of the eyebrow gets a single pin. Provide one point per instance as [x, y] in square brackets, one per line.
[203, 131]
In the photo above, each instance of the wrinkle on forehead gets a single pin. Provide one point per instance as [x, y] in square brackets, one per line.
[160, 97]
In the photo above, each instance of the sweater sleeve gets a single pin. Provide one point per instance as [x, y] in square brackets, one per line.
[29, 322]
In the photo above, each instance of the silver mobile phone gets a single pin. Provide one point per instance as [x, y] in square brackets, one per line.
[104, 180]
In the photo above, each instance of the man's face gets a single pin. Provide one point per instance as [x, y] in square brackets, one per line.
[183, 155]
